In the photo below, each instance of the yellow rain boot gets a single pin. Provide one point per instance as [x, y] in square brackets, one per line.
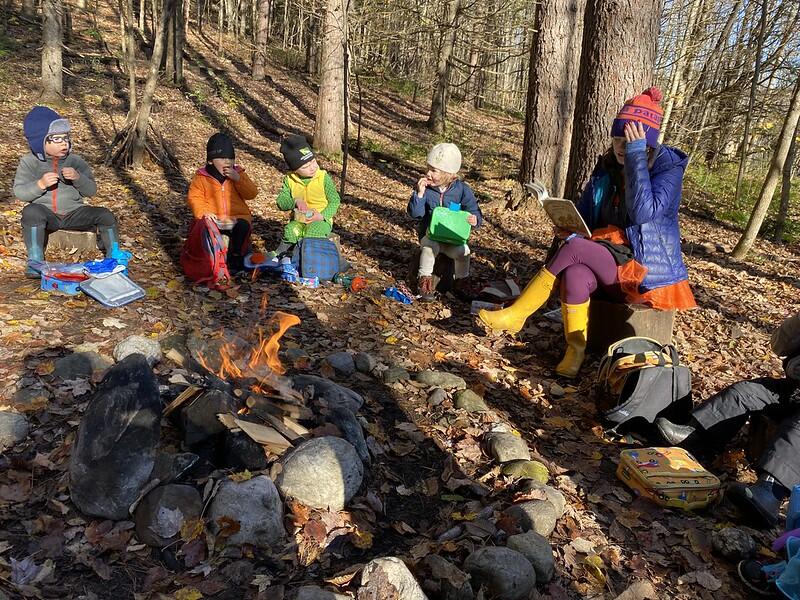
[533, 297]
[576, 324]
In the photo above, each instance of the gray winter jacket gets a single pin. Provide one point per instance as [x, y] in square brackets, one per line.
[62, 198]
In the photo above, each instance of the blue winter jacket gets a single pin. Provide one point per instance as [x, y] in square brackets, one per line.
[652, 199]
[458, 191]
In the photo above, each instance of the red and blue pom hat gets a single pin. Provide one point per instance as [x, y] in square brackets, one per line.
[645, 109]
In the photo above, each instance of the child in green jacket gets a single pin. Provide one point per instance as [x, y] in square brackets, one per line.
[309, 191]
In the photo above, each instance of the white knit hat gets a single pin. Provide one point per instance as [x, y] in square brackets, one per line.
[445, 157]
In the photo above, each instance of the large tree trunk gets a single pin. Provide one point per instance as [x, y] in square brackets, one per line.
[554, 65]
[786, 188]
[52, 85]
[129, 50]
[262, 37]
[749, 117]
[329, 126]
[773, 175]
[143, 116]
[615, 64]
[438, 114]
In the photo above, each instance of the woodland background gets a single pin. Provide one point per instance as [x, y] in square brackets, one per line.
[526, 89]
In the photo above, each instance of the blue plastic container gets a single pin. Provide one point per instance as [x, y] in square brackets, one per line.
[793, 510]
[60, 286]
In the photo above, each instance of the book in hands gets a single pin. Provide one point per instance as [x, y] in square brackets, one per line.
[562, 212]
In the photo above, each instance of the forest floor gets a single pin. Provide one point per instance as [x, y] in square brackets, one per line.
[724, 340]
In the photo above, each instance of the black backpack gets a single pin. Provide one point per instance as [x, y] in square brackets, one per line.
[639, 380]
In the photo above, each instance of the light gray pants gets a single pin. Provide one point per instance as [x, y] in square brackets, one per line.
[431, 249]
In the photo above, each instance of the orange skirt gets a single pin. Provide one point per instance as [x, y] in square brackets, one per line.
[677, 296]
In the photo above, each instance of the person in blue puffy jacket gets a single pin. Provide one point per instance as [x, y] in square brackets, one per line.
[440, 186]
[630, 205]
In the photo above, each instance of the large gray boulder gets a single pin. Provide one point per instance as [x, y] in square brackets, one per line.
[534, 515]
[115, 449]
[389, 577]
[537, 550]
[138, 344]
[441, 379]
[322, 472]
[504, 573]
[162, 512]
[13, 429]
[327, 392]
[256, 506]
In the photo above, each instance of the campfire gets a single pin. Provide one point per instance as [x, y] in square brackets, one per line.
[250, 371]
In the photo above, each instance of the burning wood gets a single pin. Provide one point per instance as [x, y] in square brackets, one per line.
[238, 360]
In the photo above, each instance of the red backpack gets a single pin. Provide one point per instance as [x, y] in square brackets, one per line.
[204, 255]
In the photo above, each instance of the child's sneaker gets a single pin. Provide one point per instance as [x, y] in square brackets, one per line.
[425, 288]
[758, 577]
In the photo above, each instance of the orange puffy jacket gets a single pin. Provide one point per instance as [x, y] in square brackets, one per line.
[226, 200]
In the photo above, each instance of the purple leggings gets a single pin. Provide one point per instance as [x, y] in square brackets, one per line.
[582, 264]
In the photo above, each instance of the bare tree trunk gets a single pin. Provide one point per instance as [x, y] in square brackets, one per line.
[169, 51]
[29, 9]
[751, 104]
[143, 116]
[262, 37]
[614, 65]
[438, 114]
[554, 65]
[676, 79]
[142, 14]
[129, 51]
[786, 188]
[180, 39]
[66, 24]
[219, 28]
[329, 126]
[52, 84]
[773, 175]
[312, 46]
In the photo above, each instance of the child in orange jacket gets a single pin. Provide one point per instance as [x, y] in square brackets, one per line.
[219, 190]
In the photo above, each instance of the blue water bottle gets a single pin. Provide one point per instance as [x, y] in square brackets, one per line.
[793, 511]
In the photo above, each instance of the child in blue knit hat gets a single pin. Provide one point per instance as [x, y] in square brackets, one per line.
[53, 182]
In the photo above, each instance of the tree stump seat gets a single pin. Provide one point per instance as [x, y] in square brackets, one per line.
[72, 240]
[610, 322]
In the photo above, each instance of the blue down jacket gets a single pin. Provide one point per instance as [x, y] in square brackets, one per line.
[421, 207]
[652, 199]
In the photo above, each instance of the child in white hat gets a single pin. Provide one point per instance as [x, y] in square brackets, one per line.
[440, 186]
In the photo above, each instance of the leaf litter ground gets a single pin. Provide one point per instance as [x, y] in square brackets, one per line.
[431, 474]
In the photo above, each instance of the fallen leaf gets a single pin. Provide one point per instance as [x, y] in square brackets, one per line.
[361, 539]
[241, 476]
[191, 529]
[113, 322]
[188, 594]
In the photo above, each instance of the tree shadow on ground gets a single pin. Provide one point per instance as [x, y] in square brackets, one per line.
[259, 117]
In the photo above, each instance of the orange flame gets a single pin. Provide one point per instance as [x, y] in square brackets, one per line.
[267, 350]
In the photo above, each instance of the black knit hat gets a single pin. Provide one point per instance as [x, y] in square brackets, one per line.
[220, 145]
[296, 151]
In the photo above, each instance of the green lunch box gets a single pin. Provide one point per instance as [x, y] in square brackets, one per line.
[449, 226]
